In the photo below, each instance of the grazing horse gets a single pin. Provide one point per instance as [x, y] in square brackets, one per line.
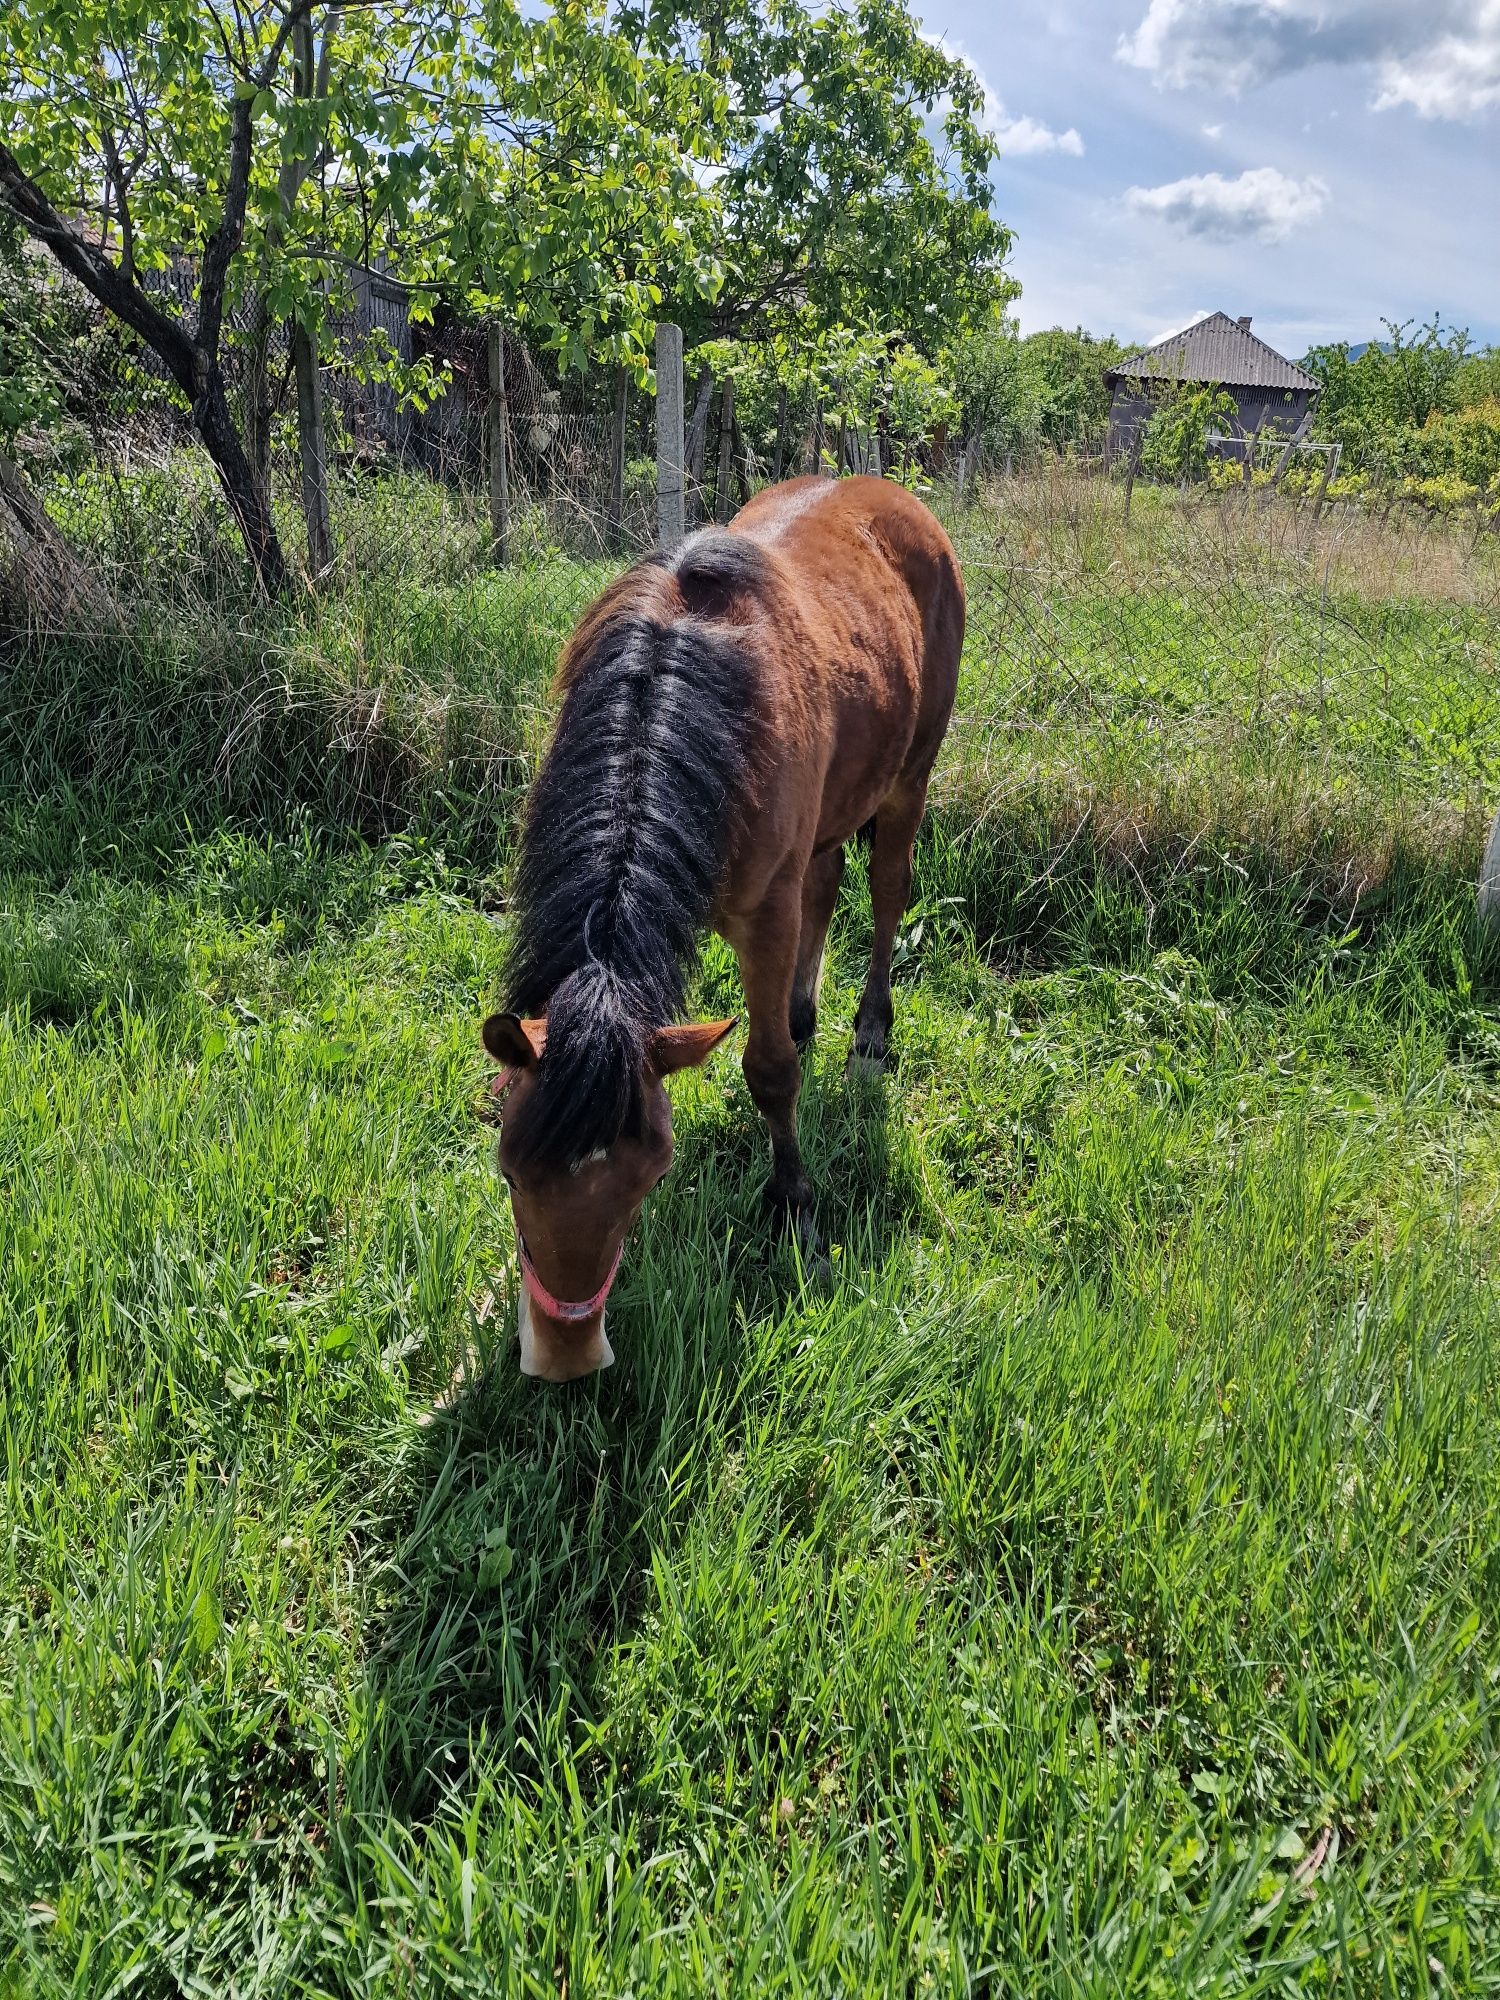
[733, 710]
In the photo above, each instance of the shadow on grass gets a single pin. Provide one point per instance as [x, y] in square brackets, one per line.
[1038, 892]
[519, 1554]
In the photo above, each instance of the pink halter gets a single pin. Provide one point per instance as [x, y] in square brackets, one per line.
[571, 1312]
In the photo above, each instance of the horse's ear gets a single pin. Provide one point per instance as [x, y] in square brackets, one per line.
[516, 1043]
[687, 1047]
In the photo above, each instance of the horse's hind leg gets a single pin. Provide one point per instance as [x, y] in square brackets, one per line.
[890, 884]
[820, 892]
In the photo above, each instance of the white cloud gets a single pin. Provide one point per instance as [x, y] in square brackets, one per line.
[1456, 76]
[1441, 57]
[1261, 203]
[1014, 136]
[1171, 332]
[1027, 135]
[1213, 131]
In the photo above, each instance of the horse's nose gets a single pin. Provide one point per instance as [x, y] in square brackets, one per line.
[553, 1352]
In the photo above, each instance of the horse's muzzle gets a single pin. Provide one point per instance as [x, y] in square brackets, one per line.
[560, 1353]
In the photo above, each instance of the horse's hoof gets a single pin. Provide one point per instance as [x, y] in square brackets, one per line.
[863, 1067]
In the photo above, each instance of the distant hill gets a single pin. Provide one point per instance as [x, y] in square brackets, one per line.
[1356, 349]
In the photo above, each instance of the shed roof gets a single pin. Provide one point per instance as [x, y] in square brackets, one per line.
[1216, 349]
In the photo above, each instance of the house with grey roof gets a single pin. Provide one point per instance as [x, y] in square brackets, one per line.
[1271, 394]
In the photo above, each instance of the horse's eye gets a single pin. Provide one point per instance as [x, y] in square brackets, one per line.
[509, 1179]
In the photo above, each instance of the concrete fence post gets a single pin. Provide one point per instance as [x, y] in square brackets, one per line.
[1489, 883]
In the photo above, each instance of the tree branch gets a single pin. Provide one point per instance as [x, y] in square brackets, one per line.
[167, 336]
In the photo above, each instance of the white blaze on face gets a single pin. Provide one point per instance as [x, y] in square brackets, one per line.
[540, 1357]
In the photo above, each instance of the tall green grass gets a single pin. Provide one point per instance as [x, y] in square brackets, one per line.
[1088, 1587]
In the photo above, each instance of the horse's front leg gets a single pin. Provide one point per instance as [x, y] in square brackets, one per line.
[765, 943]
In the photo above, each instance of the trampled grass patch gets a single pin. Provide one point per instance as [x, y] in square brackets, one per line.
[1090, 1588]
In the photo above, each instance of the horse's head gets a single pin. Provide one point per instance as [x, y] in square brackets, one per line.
[572, 1216]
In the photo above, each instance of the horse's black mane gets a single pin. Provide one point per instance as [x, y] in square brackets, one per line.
[625, 842]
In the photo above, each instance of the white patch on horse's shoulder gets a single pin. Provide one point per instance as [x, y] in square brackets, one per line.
[790, 506]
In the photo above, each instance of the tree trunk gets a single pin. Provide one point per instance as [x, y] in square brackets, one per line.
[192, 363]
[43, 585]
[312, 451]
[244, 492]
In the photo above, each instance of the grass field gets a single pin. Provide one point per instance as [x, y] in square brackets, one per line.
[1094, 1589]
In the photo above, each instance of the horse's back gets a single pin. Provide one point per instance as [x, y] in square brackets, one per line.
[879, 597]
[862, 623]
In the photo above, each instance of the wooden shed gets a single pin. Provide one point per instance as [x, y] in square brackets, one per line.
[1270, 393]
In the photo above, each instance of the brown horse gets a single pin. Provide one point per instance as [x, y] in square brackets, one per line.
[733, 711]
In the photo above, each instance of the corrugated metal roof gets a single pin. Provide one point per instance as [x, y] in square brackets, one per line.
[1217, 349]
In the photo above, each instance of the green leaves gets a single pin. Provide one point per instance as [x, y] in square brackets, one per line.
[856, 183]
[541, 166]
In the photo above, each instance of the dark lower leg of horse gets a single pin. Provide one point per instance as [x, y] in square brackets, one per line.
[766, 947]
[890, 886]
[775, 1077]
[820, 892]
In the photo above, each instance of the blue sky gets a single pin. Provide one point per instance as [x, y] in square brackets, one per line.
[1320, 164]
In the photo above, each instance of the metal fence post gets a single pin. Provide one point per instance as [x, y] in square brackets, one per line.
[671, 497]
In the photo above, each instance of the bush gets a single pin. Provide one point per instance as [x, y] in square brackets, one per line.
[1176, 442]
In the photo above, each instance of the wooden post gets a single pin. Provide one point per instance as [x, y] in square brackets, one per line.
[778, 463]
[697, 443]
[495, 423]
[815, 455]
[841, 449]
[1330, 468]
[1286, 456]
[744, 464]
[726, 451]
[1489, 882]
[671, 497]
[1135, 464]
[617, 459]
